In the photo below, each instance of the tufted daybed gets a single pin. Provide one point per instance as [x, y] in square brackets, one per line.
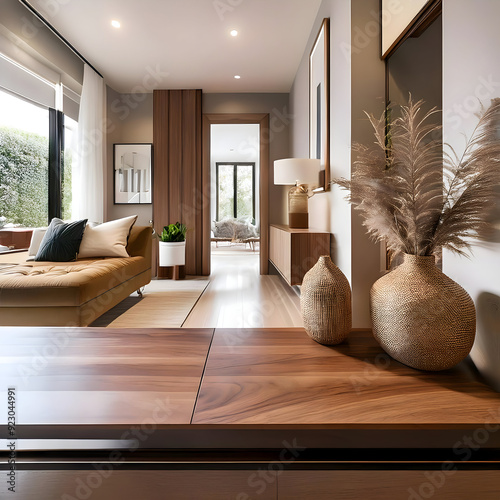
[232, 230]
[73, 293]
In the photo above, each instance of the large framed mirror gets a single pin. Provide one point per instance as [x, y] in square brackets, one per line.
[319, 103]
[414, 65]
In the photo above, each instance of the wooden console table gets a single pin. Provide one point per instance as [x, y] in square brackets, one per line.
[240, 413]
[294, 251]
[16, 238]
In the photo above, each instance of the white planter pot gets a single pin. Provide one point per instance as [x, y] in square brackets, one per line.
[172, 254]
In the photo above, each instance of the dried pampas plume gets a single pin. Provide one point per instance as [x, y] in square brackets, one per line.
[415, 197]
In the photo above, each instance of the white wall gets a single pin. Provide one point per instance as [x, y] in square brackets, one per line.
[357, 83]
[471, 74]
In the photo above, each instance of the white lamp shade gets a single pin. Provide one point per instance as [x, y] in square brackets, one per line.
[301, 170]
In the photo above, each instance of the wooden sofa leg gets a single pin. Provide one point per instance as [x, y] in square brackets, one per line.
[140, 292]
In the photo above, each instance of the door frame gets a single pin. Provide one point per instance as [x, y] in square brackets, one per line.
[261, 119]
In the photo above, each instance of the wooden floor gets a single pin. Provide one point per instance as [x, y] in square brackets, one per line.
[239, 297]
[165, 304]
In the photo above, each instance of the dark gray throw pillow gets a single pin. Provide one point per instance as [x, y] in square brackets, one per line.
[61, 241]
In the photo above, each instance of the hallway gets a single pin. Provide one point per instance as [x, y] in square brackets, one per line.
[238, 297]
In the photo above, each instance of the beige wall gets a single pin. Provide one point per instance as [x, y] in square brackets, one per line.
[471, 75]
[130, 120]
[357, 83]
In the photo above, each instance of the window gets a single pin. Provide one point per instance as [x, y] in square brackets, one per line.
[235, 190]
[36, 148]
[24, 152]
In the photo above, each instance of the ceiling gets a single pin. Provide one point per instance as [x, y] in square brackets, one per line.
[236, 142]
[187, 43]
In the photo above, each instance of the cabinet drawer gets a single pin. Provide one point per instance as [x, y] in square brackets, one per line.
[441, 484]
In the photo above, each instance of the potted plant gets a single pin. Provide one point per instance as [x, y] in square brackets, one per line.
[419, 200]
[172, 245]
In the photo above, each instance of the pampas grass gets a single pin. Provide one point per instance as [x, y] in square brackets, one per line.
[415, 197]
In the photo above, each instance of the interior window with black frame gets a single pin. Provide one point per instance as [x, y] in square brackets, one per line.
[235, 190]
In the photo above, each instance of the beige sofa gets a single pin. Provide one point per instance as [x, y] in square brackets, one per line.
[73, 293]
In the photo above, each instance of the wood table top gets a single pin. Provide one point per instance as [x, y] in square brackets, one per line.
[92, 376]
[104, 380]
[282, 377]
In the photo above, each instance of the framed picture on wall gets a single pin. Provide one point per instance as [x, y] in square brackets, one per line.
[132, 173]
[319, 102]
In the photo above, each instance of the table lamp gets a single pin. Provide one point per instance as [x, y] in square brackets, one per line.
[299, 172]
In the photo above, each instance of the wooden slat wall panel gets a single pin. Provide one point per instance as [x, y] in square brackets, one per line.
[188, 171]
[178, 171]
[202, 200]
[160, 166]
[174, 156]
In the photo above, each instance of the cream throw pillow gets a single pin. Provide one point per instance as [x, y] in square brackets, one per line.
[36, 239]
[108, 239]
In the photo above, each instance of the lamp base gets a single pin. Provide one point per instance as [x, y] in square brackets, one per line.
[298, 220]
[298, 217]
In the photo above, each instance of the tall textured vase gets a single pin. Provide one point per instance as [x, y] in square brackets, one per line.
[325, 303]
[421, 317]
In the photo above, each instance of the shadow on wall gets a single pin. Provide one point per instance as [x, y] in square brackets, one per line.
[487, 344]
[492, 234]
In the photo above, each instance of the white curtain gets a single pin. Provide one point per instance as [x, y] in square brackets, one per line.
[88, 174]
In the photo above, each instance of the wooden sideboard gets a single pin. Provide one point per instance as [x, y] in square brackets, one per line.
[294, 251]
[16, 238]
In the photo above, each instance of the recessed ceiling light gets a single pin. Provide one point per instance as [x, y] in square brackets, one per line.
[115, 23]
[234, 32]
[237, 77]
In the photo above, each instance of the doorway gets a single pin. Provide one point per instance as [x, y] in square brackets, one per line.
[235, 174]
[237, 168]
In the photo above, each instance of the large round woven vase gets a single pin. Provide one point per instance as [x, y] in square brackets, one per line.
[325, 303]
[421, 317]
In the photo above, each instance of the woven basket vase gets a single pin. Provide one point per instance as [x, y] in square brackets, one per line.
[421, 317]
[325, 303]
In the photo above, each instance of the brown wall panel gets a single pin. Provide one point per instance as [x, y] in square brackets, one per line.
[177, 139]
